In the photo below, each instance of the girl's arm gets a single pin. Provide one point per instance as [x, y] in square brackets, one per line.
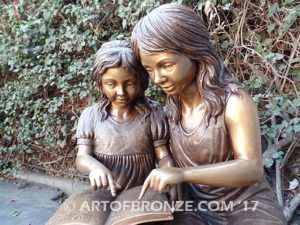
[163, 157]
[243, 126]
[247, 168]
[99, 175]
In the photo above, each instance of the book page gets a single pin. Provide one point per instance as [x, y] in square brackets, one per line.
[90, 207]
[128, 209]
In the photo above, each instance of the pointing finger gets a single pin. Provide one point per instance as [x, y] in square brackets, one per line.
[112, 185]
[145, 186]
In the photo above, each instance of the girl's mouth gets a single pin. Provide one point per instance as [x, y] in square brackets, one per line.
[121, 100]
[168, 88]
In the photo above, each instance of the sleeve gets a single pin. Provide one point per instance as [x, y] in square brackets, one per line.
[159, 127]
[85, 127]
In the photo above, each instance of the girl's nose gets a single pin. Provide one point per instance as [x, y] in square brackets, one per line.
[158, 78]
[120, 90]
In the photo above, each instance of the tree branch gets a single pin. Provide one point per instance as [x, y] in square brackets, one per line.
[290, 208]
[281, 144]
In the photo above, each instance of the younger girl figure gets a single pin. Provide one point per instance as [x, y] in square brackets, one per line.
[120, 137]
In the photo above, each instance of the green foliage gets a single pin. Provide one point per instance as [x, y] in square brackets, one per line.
[47, 50]
[46, 59]
[268, 162]
[265, 35]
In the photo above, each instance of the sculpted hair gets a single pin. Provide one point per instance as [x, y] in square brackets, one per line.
[176, 28]
[116, 54]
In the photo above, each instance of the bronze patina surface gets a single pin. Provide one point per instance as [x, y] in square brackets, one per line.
[119, 138]
[95, 207]
[214, 126]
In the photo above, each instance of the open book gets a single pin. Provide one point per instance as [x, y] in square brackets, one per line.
[100, 208]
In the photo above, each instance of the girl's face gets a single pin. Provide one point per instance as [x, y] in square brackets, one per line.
[172, 72]
[120, 87]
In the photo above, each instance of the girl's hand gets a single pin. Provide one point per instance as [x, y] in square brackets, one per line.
[162, 178]
[101, 177]
[175, 193]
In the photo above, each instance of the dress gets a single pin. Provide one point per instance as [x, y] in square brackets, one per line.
[212, 145]
[126, 149]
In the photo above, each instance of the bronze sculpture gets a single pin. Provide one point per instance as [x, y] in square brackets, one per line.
[116, 130]
[120, 137]
[214, 127]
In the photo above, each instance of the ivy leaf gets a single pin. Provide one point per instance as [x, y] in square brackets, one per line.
[295, 60]
[225, 44]
[278, 56]
[288, 1]
[262, 2]
[291, 110]
[296, 75]
[256, 97]
[43, 29]
[268, 162]
[271, 27]
[277, 111]
[295, 120]
[288, 21]
[296, 127]
[274, 56]
[277, 155]
[296, 102]
[282, 67]
[274, 8]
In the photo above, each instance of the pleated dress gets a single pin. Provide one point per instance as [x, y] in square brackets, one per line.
[126, 149]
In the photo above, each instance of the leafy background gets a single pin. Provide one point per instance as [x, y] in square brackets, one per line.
[47, 50]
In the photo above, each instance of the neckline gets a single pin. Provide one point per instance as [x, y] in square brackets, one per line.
[196, 129]
[193, 131]
[126, 122]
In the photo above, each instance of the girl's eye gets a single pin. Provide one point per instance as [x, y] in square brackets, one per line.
[149, 70]
[167, 66]
[110, 85]
[130, 84]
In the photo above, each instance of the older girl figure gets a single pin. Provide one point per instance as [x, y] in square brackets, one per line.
[214, 126]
